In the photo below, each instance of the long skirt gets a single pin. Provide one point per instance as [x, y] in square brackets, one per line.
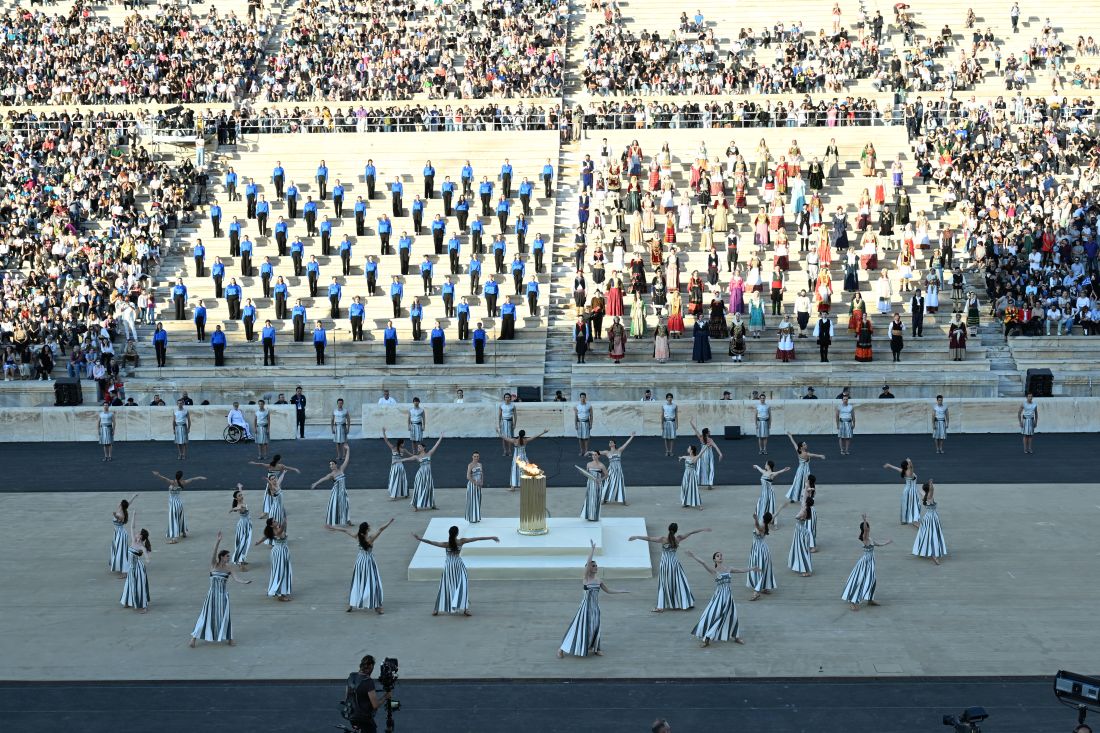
[719, 619]
[673, 591]
[473, 502]
[215, 622]
[583, 635]
[454, 586]
[760, 556]
[366, 582]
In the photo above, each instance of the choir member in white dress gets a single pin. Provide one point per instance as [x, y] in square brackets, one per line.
[596, 474]
[763, 421]
[941, 420]
[506, 421]
[339, 510]
[584, 417]
[761, 577]
[398, 481]
[929, 541]
[417, 423]
[454, 586]
[845, 425]
[705, 465]
[614, 489]
[177, 522]
[119, 562]
[475, 482]
[423, 495]
[673, 591]
[1028, 417]
[519, 453]
[181, 429]
[106, 422]
[910, 502]
[766, 503]
[135, 591]
[366, 581]
[261, 421]
[582, 638]
[719, 620]
[280, 583]
[670, 422]
[798, 483]
[242, 540]
[862, 581]
[215, 623]
[340, 425]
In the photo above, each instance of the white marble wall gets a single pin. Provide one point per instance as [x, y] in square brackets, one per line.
[800, 417]
[65, 424]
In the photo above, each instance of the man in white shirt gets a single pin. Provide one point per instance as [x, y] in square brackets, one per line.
[459, 397]
[648, 396]
[385, 399]
[1054, 318]
[236, 417]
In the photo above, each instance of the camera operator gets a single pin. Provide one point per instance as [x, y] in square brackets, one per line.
[365, 696]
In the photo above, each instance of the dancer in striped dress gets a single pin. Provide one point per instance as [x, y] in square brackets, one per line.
[798, 559]
[135, 592]
[275, 471]
[1028, 417]
[262, 431]
[719, 619]
[910, 503]
[181, 429]
[215, 622]
[862, 580]
[423, 496]
[242, 540]
[670, 422]
[941, 419]
[689, 484]
[177, 522]
[519, 454]
[340, 425]
[930, 542]
[339, 511]
[798, 484]
[417, 422]
[454, 586]
[811, 521]
[845, 425]
[582, 638]
[280, 583]
[398, 482]
[106, 422]
[761, 577]
[614, 489]
[366, 581]
[673, 591]
[119, 562]
[475, 481]
[596, 474]
[766, 503]
[273, 499]
[707, 451]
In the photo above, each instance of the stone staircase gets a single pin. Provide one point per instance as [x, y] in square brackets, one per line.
[1001, 361]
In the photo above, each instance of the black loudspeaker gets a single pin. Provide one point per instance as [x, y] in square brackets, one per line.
[529, 394]
[733, 432]
[1040, 382]
[67, 392]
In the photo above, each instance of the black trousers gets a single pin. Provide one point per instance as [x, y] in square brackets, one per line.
[918, 326]
[311, 226]
[396, 300]
[385, 240]
[280, 241]
[479, 352]
[300, 420]
[396, 205]
[449, 305]
[456, 267]
[447, 198]
[463, 218]
[200, 270]
[219, 355]
[292, 207]
[234, 244]
[200, 329]
[525, 201]
[418, 222]
[322, 186]
[372, 181]
[391, 352]
[299, 329]
[162, 352]
[265, 279]
[463, 327]
[280, 306]
[234, 304]
[824, 350]
[417, 331]
[491, 305]
[246, 264]
[338, 205]
[269, 352]
[218, 285]
[249, 329]
[437, 351]
[262, 220]
[372, 282]
[538, 260]
[334, 306]
[533, 304]
[181, 304]
[250, 211]
[319, 347]
[216, 225]
[345, 261]
[312, 284]
[360, 224]
[357, 328]
[548, 183]
[403, 256]
[278, 181]
[429, 187]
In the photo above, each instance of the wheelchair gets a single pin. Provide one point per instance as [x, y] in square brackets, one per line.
[234, 434]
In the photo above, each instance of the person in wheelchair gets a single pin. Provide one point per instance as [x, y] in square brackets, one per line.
[236, 417]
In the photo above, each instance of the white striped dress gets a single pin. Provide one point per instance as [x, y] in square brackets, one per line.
[846, 419]
[135, 592]
[340, 431]
[583, 636]
[614, 487]
[338, 507]
[416, 424]
[267, 495]
[106, 428]
[281, 580]
[799, 559]
[366, 582]
[704, 464]
[811, 525]
[939, 422]
[399, 479]
[763, 421]
[689, 484]
[862, 581]
[423, 485]
[177, 522]
[719, 619]
[1028, 418]
[454, 586]
[119, 541]
[243, 540]
[519, 453]
[798, 483]
[180, 419]
[910, 504]
[584, 421]
[760, 556]
[668, 421]
[593, 492]
[929, 541]
[766, 503]
[473, 496]
[673, 591]
[273, 505]
[263, 427]
[507, 420]
[214, 622]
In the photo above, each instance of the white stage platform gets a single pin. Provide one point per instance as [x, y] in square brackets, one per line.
[560, 554]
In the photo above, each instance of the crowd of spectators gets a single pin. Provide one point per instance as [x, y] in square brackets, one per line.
[388, 50]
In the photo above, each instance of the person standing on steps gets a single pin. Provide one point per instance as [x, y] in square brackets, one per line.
[823, 332]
